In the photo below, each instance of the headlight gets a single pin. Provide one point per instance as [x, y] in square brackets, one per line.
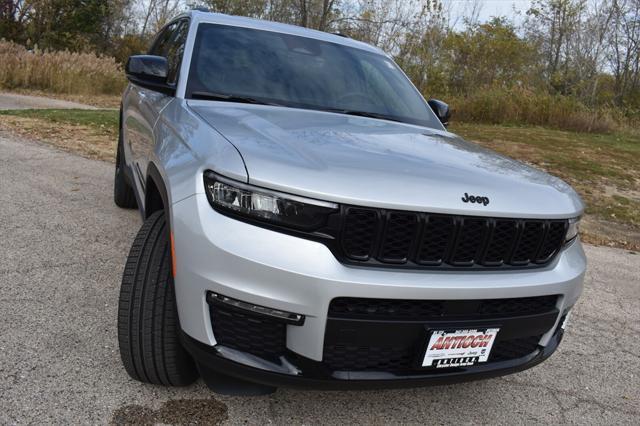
[266, 206]
[572, 232]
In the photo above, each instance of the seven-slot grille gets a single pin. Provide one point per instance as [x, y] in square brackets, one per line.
[432, 240]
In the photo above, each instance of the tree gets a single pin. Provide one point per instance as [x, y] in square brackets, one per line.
[552, 24]
[624, 51]
[316, 14]
[157, 13]
[72, 24]
[13, 16]
[488, 55]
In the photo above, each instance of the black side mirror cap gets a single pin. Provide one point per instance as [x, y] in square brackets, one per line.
[441, 110]
[149, 71]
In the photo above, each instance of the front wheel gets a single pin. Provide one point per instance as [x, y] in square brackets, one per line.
[148, 325]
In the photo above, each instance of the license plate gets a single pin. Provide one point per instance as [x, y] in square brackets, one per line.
[459, 348]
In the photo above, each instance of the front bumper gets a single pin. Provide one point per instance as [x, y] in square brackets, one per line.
[275, 270]
[212, 361]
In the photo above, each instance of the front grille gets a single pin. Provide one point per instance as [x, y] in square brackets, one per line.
[418, 310]
[401, 360]
[257, 335]
[411, 239]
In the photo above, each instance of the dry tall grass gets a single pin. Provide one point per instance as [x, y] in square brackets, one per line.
[70, 73]
[522, 106]
[59, 72]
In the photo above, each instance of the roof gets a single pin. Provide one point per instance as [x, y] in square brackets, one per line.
[259, 24]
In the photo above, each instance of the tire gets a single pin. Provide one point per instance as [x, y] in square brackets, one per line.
[148, 325]
[123, 194]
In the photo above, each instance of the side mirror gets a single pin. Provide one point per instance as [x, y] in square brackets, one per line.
[149, 71]
[441, 109]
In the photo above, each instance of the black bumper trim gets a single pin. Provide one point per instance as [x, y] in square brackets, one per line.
[209, 360]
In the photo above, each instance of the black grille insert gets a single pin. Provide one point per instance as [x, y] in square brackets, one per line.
[419, 310]
[361, 227]
[369, 358]
[410, 239]
[385, 309]
[401, 360]
[254, 334]
[513, 348]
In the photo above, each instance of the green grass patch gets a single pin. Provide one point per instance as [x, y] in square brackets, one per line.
[104, 120]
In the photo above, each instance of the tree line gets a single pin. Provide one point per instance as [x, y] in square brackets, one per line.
[585, 51]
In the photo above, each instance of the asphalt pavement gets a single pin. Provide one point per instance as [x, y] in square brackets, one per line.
[64, 245]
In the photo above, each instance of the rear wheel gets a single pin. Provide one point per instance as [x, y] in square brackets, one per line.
[148, 325]
[123, 194]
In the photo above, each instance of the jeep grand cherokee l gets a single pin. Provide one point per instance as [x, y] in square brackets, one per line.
[309, 221]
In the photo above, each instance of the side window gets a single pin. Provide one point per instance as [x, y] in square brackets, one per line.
[175, 50]
[160, 43]
[170, 44]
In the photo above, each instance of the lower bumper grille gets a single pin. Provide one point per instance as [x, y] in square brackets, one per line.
[384, 335]
[398, 309]
[514, 348]
[254, 334]
[390, 335]
[405, 359]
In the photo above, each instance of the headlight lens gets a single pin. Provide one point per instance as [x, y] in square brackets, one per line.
[266, 206]
[572, 232]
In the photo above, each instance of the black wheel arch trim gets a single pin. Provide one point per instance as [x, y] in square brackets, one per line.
[155, 178]
[128, 171]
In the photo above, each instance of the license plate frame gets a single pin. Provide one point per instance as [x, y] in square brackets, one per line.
[458, 347]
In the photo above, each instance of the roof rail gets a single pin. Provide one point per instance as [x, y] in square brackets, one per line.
[201, 9]
[341, 34]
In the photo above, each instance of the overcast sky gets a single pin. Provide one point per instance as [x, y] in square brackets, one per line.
[489, 8]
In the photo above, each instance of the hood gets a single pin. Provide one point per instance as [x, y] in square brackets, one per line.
[378, 163]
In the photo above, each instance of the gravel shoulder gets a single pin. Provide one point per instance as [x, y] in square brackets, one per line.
[18, 101]
[64, 247]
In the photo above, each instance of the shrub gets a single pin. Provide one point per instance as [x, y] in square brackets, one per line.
[59, 72]
[523, 106]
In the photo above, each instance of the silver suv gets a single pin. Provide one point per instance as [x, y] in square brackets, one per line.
[309, 221]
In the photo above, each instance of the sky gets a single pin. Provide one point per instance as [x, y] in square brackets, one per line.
[489, 8]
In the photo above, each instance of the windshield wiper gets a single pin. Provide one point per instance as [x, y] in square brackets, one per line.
[363, 114]
[225, 97]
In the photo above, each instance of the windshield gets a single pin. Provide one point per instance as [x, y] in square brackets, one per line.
[232, 63]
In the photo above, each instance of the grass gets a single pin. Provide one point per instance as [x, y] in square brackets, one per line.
[91, 133]
[603, 168]
[61, 72]
[104, 121]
